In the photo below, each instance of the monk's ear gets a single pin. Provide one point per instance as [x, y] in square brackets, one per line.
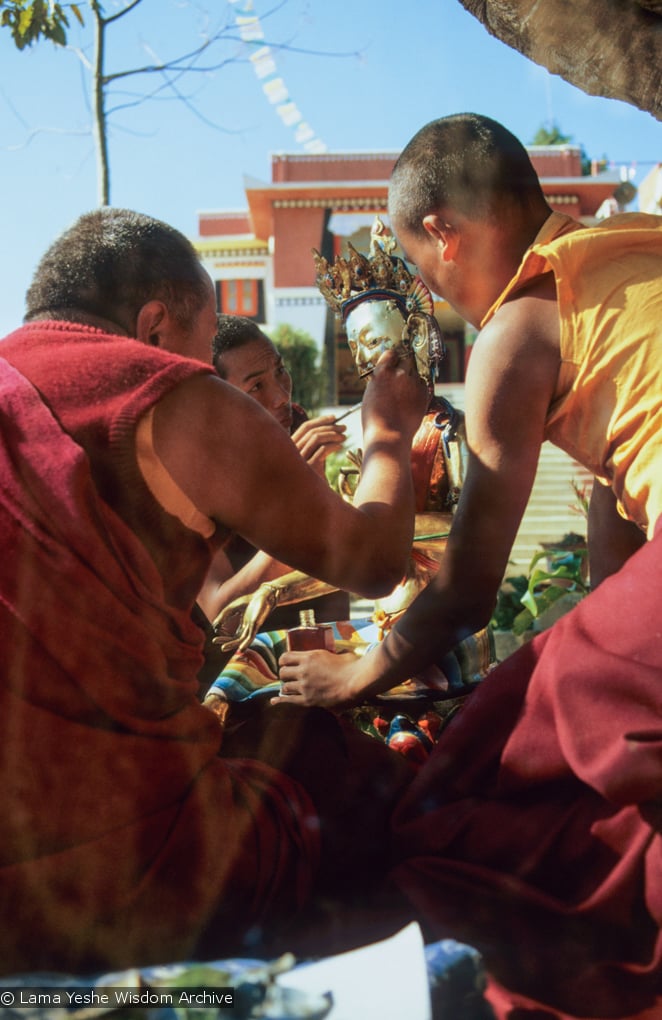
[443, 234]
[152, 323]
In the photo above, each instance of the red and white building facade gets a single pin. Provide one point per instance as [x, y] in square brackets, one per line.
[260, 257]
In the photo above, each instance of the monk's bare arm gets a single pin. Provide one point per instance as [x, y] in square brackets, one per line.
[240, 468]
[315, 440]
[510, 383]
[223, 584]
[611, 538]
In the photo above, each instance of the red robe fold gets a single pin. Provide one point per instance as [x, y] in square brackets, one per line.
[534, 831]
[125, 837]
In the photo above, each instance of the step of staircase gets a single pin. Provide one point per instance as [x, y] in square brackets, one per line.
[553, 509]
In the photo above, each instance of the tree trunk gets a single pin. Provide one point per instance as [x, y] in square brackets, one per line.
[610, 48]
[99, 96]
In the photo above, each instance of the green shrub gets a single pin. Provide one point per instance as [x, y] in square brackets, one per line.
[522, 599]
[301, 355]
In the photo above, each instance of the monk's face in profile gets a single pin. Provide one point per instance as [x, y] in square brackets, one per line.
[258, 370]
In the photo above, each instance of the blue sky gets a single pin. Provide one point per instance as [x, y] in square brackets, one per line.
[399, 67]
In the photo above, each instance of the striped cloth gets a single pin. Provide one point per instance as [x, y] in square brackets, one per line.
[409, 717]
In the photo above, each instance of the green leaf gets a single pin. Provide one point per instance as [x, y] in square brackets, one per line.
[522, 622]
[529, 602]
[25, 19]
[29, 21]
[58, 35]
[549, 596]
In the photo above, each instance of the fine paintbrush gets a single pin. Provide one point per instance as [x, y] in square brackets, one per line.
[350, 410]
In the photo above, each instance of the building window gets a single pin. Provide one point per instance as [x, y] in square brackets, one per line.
[241, 297]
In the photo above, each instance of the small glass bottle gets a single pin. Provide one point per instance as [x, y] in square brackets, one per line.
[310, 635]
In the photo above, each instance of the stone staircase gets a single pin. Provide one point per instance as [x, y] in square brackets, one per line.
[552, 511]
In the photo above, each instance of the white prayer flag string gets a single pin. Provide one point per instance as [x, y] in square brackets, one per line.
[263, 63]
[266, 71]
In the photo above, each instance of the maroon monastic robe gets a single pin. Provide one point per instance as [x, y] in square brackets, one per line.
[125, 837]
[534, 831]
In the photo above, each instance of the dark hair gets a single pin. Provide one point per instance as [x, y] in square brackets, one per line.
[465, 162]
[232, 331]
[110, 263]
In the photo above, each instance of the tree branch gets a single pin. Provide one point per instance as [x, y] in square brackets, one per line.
[226, 29]
[169, 65]
[120, 14]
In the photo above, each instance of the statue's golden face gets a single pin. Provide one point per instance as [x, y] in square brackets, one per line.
[375, 326]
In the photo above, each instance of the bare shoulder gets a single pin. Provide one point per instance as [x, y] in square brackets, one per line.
[191, 401]
[207, 415]
[206, 431]
[520, 345]
[528, 322]
[513, 368]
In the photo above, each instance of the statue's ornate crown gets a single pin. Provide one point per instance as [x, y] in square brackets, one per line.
[346, 279]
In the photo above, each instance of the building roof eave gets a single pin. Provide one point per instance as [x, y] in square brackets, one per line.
[227, 246]
[354, 195]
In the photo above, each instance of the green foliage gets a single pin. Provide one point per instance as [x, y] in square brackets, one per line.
[332, 467]
[509, 602]
[551, 134]
[300, 354]
[343, 460]
[30, 20]
[522, 599]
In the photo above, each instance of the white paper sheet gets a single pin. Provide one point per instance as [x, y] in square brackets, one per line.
[386, 980]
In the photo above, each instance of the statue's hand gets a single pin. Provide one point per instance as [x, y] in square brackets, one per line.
[238, 623]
